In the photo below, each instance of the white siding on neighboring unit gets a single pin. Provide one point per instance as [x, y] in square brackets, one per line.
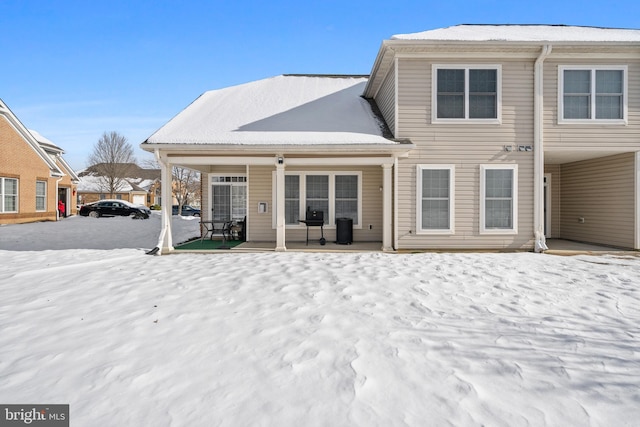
[467, 146]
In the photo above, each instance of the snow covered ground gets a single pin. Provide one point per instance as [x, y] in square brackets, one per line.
[312, 339]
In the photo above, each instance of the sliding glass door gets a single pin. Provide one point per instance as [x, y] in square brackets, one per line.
[228, 198]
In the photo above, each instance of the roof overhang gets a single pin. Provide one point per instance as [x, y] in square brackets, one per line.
[392, 49]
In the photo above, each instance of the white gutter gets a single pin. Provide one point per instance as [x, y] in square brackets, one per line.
[538, 150]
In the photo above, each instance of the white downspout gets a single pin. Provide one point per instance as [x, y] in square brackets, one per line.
[538, 151]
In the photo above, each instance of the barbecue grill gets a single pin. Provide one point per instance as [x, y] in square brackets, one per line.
[315, 219]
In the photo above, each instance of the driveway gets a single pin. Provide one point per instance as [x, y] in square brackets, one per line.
[78, 232]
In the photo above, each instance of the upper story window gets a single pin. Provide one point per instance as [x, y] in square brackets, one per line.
[471, 93]
[592, 94]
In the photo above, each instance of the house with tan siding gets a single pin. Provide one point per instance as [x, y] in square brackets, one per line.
[33, 174]
[468, 137]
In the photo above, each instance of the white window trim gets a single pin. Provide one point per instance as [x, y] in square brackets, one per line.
[2, 208]
[45, 196]
[593, 68]
[452, 200]
[211, 182]
[514, 213]
[466, 67]
[330, 221]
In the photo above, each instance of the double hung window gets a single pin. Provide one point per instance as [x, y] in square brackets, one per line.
[8, 195]
[592, 94]
[498, 199]
[466, 93]
[337, 194]
[41, 195]
[435, 204]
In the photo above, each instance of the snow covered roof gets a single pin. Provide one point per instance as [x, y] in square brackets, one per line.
[281, 110]
[96, 184]
[525, 33]
[44, 142]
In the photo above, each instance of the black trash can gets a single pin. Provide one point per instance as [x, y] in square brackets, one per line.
[344, 231]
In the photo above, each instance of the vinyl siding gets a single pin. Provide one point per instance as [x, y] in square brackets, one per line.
[612, 137]
[467, 146]
[386, 99]
[261, 225]
[602, 192]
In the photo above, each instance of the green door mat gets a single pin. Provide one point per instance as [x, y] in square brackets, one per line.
[207, 244]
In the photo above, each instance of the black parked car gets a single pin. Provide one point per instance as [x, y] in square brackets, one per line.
[186, 210]
[114, 208]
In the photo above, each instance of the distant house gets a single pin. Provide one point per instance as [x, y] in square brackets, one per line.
[467, 137]
[34, 176]
[137, 185]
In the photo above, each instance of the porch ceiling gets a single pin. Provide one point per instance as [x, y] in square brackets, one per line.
[569, 156]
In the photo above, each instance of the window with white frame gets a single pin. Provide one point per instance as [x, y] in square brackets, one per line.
[466, 93]
[8, 195]
[41, 195]
[498, 198]
[592, 94]
[337, 194]
[346, 197]
[435, 201]
[292, 199]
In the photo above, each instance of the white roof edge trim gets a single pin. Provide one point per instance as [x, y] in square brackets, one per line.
[29, 138]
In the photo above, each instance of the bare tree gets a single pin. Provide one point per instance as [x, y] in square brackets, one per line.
[111, 158]
[186, 185]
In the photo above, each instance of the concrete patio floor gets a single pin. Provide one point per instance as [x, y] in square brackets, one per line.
[568, 247]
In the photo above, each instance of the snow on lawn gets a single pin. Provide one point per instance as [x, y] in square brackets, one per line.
[315, 339]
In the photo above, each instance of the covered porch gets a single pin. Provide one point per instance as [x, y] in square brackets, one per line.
[592, 197]
[270, 193]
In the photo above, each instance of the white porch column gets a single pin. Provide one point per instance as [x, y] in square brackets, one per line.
[166, 242]
[280, 206]
[387, 217]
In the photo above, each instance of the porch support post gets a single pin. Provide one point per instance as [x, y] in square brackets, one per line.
[387, 218]
[166, 241]
[280, 206]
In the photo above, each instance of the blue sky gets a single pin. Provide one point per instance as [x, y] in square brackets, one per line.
[73, 69]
